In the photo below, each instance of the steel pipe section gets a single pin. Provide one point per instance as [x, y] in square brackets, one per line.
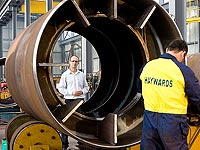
[125, 34]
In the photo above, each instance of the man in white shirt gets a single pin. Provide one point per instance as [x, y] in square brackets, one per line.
[72, 85]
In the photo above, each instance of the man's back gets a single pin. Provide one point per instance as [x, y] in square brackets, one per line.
[163, 87]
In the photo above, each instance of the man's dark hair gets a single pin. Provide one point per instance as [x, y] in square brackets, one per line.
[178, 45]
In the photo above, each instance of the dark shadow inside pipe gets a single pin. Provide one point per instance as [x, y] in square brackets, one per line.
[121, 50]
[121, 55]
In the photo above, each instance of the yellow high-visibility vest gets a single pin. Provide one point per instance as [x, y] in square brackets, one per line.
[163, 87]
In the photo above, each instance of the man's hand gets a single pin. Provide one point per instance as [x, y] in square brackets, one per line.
[77, 93]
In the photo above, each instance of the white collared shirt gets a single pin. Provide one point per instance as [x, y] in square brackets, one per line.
[70, 82]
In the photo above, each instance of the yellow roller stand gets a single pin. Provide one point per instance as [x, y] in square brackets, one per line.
[35, 135]
[39, 147]
[136, 147]
[193, 139]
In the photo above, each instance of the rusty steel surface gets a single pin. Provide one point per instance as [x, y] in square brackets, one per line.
[125, 34]
[193, 61]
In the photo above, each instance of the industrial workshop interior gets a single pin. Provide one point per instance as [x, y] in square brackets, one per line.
[113, 39]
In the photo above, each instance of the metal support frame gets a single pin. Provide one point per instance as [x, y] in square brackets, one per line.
[1, 49]
[49, 5]
[6, 11]
[178, 9]
[14, 22]
[27, 16]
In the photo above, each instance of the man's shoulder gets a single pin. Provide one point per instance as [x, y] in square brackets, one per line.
[66, 72]
[80, 72]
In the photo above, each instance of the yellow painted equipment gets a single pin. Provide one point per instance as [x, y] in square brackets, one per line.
[193, 11]
[35, 135]
[26, 133]
[37, 7]
[193, 139]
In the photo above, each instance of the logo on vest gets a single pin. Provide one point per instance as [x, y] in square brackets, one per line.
[158, 82]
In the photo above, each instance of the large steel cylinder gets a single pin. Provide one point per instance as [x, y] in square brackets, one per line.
[125, 34]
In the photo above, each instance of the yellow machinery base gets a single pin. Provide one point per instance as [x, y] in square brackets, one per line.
[193, 139]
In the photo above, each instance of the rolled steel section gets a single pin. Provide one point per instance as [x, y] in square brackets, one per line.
[125, 34]
[193, 60]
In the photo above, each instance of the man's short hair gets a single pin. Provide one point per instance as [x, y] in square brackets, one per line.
[73, 56]
[177, 45]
